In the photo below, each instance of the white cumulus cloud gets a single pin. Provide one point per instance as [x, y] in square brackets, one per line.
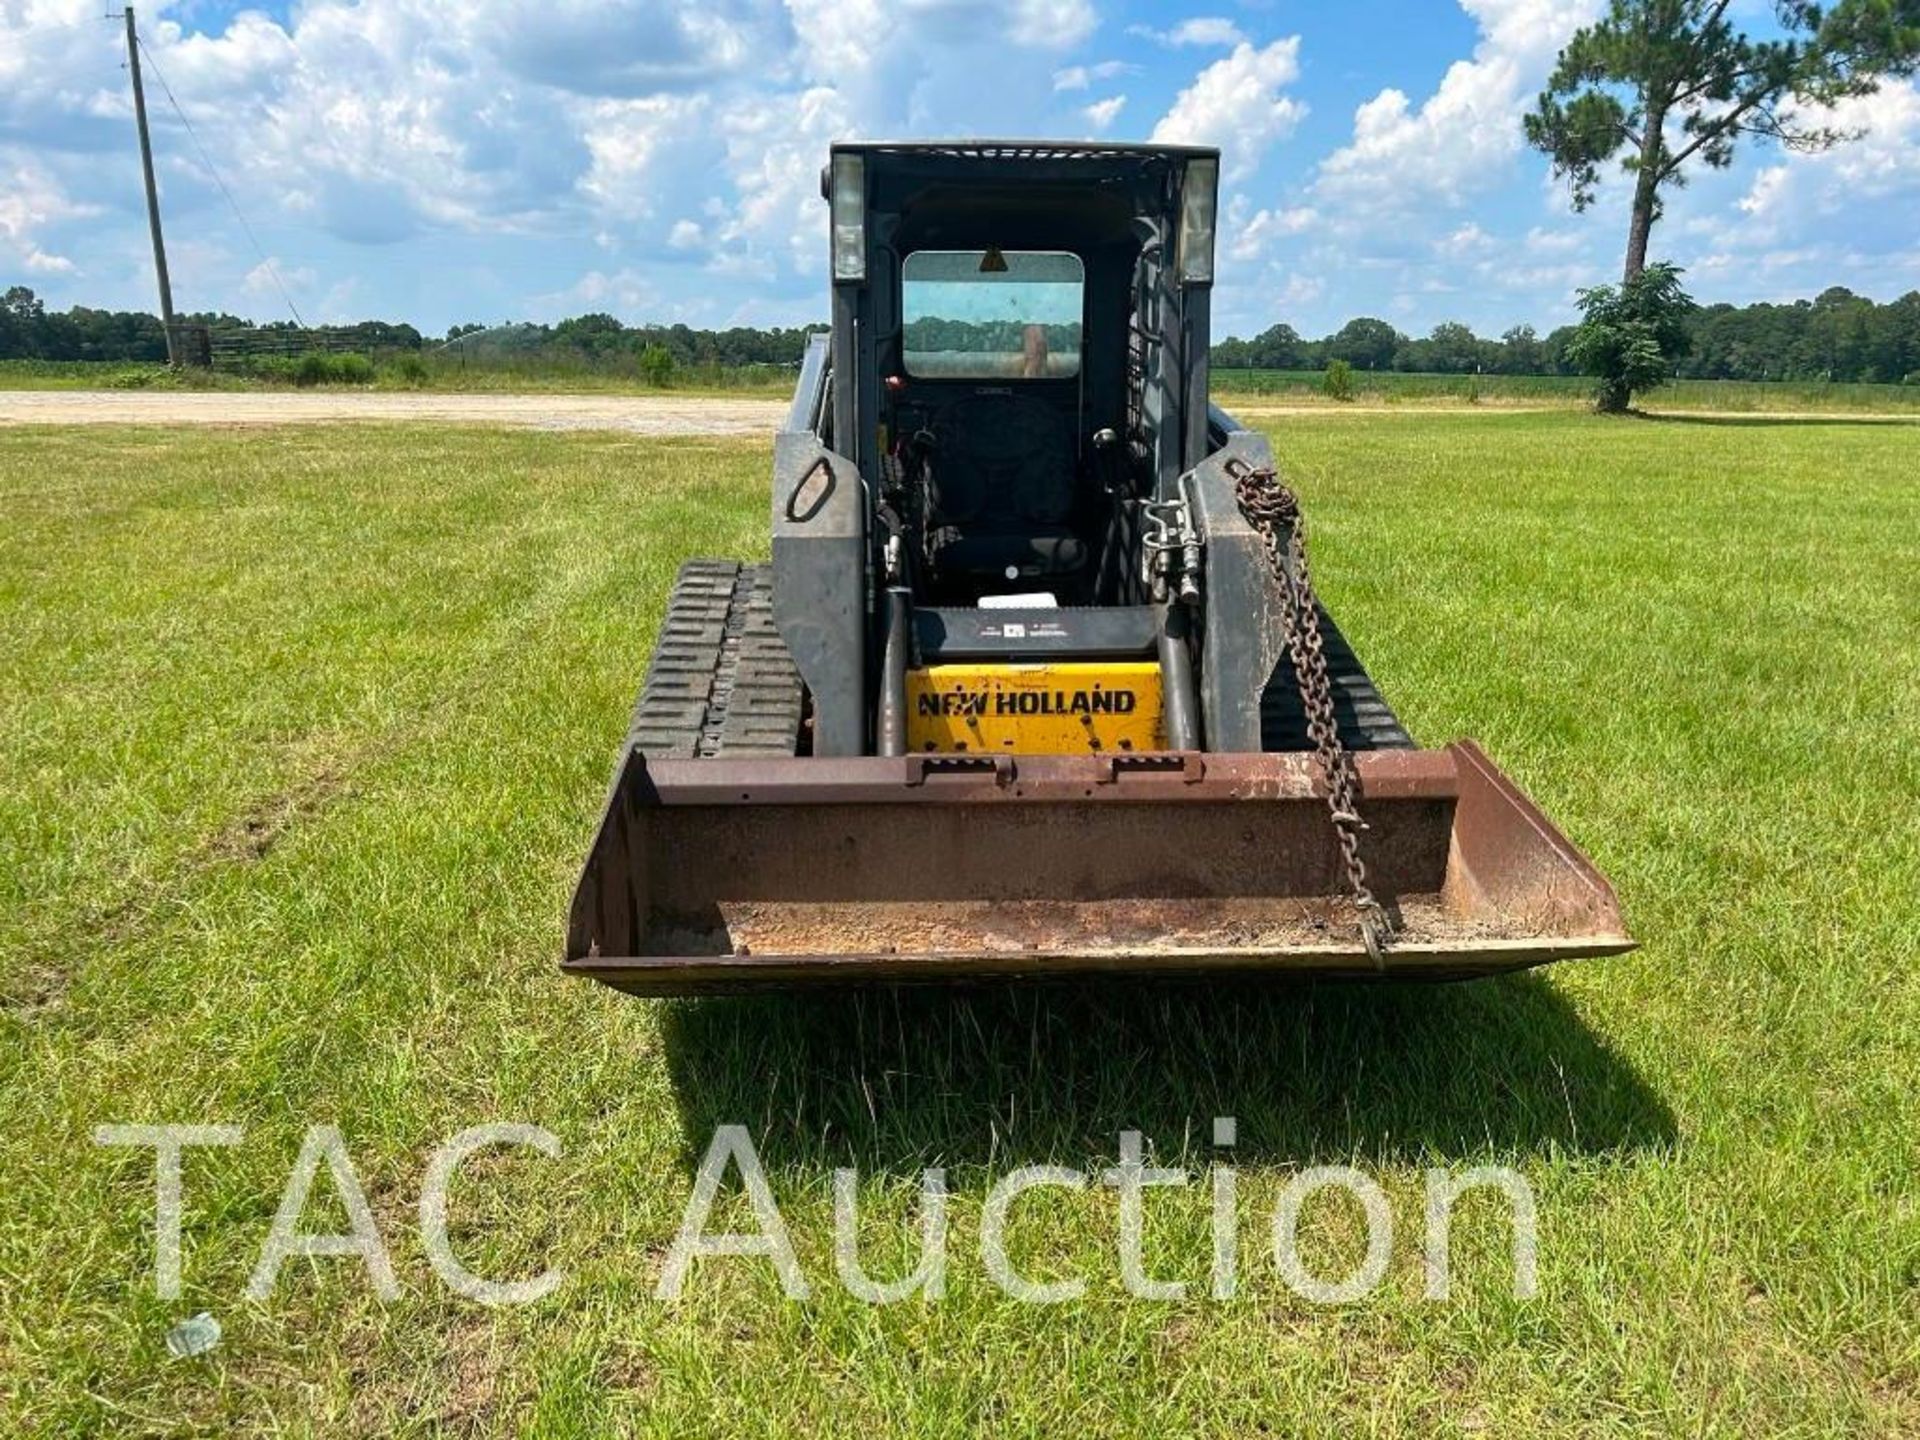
[1102, 113]
[1200, 31]
[1082, 77]
[576, 122]
[1463, 137]
[31, 200]
[1883, 160]
[1238, 104]
[1250, 234]
[271, 276]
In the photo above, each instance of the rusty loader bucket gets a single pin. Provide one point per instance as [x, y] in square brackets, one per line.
[726, 874]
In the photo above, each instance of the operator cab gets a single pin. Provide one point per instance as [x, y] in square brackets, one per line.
[1014, 319]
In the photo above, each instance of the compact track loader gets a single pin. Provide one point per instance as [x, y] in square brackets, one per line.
[1036, 682]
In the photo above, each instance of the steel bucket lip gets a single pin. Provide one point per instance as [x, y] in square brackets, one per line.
[662, 975]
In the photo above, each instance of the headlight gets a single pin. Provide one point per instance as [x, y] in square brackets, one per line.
[849, 205]
[1198, 200]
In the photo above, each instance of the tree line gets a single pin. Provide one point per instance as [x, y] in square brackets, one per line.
[984, 337]
[30, 331]
[1837, 336]
[605, 337]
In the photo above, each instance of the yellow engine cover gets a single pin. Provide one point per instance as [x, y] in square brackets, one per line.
[1068, 709]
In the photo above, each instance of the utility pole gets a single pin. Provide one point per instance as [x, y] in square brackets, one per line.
[153, 195]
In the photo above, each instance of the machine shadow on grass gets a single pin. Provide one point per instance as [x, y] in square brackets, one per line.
[893, 1081]
[1880, 420]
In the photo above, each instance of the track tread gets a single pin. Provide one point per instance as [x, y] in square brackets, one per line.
[1367, 722]
[720, 681]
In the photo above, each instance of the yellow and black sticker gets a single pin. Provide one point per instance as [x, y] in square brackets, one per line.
[1068, 709]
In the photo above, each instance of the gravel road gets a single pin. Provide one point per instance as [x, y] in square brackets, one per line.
[641, 414]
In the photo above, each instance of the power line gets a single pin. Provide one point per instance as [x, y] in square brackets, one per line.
[205, 159]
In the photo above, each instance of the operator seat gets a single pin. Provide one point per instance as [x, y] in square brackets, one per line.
[1003, 490]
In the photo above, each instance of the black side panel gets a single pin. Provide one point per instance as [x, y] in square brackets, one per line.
[821, 575]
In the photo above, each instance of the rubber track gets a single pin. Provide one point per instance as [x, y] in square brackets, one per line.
[720, 681]
[1366, 720]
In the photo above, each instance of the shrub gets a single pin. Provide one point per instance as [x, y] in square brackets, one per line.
[1631, 337]
[1338, 381]
[656, 365]
[352, 369]
[411, 370]
[276, 368]
[317, 368]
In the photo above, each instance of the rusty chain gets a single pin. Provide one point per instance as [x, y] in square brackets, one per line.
[1271, 509]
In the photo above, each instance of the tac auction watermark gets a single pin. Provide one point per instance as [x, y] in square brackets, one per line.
[731, 1152]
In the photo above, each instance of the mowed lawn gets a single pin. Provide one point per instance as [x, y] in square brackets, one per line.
[303, 735]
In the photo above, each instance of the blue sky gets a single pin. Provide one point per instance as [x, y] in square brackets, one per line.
[657, 159]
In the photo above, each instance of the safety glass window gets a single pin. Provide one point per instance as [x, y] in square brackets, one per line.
[992, 314]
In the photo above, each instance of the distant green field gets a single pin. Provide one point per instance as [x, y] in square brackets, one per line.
[1391, 386]
[303, 734]
[1734, 396]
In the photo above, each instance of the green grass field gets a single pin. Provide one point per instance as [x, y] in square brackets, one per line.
[303, 735]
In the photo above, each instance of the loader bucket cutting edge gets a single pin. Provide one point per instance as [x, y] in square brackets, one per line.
[732, 874]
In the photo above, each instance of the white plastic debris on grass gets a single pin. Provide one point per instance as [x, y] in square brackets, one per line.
[194, 1336]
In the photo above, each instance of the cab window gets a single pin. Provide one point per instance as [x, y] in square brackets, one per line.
[992, 314]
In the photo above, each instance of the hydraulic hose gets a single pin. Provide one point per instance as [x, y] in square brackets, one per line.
[1180, 705]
